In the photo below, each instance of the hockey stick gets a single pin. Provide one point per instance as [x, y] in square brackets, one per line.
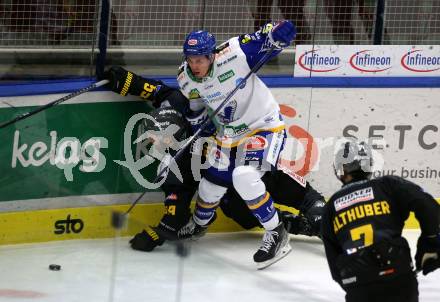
[56, 102]
[117, 217]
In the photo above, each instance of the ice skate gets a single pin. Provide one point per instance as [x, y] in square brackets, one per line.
[194, 231]
[275, 246]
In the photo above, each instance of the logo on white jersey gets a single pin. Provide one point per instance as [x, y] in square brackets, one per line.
[194, 94]
[226, 76]
[233, 131]
[218, 159]
[255, 143]
[228, 113]
[241, 82]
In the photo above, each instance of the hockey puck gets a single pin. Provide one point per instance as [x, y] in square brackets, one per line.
[54, 267]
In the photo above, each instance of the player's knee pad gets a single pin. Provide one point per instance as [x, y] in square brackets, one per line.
[210, 192]
[247, 182]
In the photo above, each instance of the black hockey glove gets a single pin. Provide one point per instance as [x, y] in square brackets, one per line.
[314, 216]
[125, 82]
[308, 222]
[428, 254]
[119, 79]
[297, 224]
[146, 241]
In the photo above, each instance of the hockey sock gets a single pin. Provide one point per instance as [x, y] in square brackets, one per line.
[262, 208]
[204, 211]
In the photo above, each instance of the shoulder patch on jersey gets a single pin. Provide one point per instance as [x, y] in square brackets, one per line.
[222, 46]
[223, 52]
[352, 198]
[244, 39]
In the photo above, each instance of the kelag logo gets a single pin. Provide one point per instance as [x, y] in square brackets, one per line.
[65, 153]
[417, 62]
[365, 62]
[311, 61]
[68, 225]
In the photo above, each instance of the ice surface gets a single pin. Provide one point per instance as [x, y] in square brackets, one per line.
[218, 268]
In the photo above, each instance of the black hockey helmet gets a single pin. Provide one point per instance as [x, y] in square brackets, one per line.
[166, 120]
[353, 158]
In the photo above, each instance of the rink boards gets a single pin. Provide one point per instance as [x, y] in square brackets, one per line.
[84, 223]
[60, 179]
[95, 222]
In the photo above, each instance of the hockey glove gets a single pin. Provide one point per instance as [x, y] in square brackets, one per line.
[298, 224]
[282, 34]
[125, 82]
[314, 216]
[427, 255]
[146, 241]
[197, 119]
[119, 79]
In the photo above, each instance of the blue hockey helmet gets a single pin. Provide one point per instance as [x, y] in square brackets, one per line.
[200, 42]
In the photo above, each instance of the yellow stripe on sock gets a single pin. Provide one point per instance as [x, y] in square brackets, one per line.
[207, 205]
[259, 204]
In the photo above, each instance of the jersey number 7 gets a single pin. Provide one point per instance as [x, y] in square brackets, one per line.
[365, 230]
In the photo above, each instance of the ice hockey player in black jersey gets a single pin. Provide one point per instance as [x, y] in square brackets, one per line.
[362, 230]
[172, 106]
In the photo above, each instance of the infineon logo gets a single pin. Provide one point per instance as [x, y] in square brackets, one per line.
[417, 62]
[311, 61]
[365, 62]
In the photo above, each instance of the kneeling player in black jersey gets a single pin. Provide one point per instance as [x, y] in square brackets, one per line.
[172, 108]
[362, 230]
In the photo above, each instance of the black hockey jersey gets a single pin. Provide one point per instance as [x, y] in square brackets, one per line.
[366, 212]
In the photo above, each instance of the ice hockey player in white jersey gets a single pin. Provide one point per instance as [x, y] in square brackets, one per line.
[250, 131]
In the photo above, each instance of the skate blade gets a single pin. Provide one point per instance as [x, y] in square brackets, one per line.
[281, 254]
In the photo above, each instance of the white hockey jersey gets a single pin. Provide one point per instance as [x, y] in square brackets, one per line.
[252, 108]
